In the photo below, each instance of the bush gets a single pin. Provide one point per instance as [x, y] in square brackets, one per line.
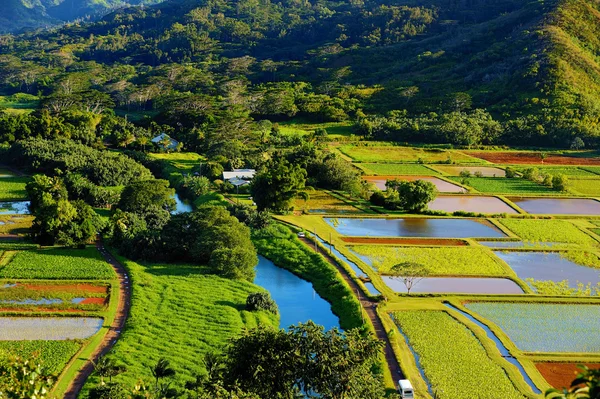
[111, 390]
[510, 172]
[377, 198]
[261, 301]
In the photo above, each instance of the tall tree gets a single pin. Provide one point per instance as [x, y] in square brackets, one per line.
[276, 186]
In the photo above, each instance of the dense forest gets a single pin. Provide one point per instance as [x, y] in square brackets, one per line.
[464, 72]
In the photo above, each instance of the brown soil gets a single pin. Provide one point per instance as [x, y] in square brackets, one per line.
[560, 375]
[405, 241]
[370, 307]
[533, 158]
[67, 288]
[114, 332]
[95, 301]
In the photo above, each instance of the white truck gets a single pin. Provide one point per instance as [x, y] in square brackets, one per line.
[405, 389]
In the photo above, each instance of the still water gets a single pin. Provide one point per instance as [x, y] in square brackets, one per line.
[558, 206]
[48, 328]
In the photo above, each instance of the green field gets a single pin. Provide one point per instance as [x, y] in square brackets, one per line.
[585, 186]
[182, 161]
[392, 153]
[453, 359]
[13, 188]
[56, 264]
[391, 169]
[545, 327]
[563, 170]
[503, 185]
[593, 169]
[53, 355]
[334, 129]
[543, 230]
[180, 313]
[443, 261]
[15, 224]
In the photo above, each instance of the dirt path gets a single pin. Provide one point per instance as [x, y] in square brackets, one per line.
[115, 330]
[370, 307]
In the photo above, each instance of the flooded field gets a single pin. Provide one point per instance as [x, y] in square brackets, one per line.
[558, 206]
[456, 285]
[414, 227]
[476, 204]
[48, 328]
[442, 185]
[544, 266]
[14, 208]
[486, 171]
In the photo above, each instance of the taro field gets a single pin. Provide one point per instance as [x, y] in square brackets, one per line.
[545, 327]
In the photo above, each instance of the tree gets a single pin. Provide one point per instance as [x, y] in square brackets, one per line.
[234, 263]
[585, 386]
[510, 172]
[410, 273]
[577, 144]
[113, 390]
[276, 186]
[148, 198]
[105, 367]
[162, 369]
[24, 379]
[261, 301]
[560, 182]
[412, 196]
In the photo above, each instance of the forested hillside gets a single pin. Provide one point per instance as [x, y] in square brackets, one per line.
[467, 72]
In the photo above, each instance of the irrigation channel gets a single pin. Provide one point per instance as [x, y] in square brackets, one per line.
[114, 331]
[504, 352]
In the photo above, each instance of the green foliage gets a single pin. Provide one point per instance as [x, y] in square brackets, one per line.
[503, 185]
[24, 379]
[281, 246]
[443, 344]
[58, 264]
[13, 188]
[391, 153]
[280, 364]
[396, 169]
[181, 312]
[275, 187]
[261, 301]
[412, 196]
[586, 385]
[541, 230]
[444, 261]
[52, 355]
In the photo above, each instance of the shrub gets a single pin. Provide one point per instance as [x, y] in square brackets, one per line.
[261, 301]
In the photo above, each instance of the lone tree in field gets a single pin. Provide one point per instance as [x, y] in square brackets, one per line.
[411, 196]
[411, 273]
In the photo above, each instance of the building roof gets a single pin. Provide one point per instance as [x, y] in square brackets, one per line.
[239, 173]
[238, 182]
[172, 142]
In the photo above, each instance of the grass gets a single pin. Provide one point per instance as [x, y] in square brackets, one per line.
[13, 188]
[390, 153]
[442, 261]
[15, 224]
[503, 185]
[544, 230]
[594, 169]
[487, 171]
[298, 126]
[182, 161]
[180, 313]
[563, 170]
[545, 327]
[384, 169]
[211, 198]
[56, 264]
[322, 202]
[53, 355]
[585, 187]
[452, 358]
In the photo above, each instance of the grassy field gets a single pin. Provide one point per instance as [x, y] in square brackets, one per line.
[180, 313]
[53, 355]
[58, 264]
[585, 187]
[537, 327]
[13, 188]
[563, 170]
[593, 169]
[453, 359]
[391, 153]
[334, 129]
[503, 185]
[322, 202]
[19, 103]
[182, 161]
[443, 261]
[388, 169]
[543, 230]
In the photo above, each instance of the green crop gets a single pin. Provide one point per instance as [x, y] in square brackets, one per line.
[13, 188]
[453, 359]
[58, 264]
[445, 261]
[543, 230]
[390, 153]
[503, 185]
[391, 169]
[53, 355]
[545, 327]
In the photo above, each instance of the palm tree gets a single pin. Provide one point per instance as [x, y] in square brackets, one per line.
[105, 367]
[162, 369]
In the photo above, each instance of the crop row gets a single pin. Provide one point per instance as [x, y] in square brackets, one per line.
[453, 359]
[467, 261]
[53, 355]
[543, 327]
[544, 230]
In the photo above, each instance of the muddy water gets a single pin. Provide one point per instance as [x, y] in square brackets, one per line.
[14, 208]
[48, 328]
[414, 227]
[558, 206]
[551, 266]
[296, 299]
[456, 285]
[476, 204]
[442, 185]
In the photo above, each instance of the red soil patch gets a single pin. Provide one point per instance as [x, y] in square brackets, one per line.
[560, 375]
[405, 241]
[95, 301]
[75, 288]
[533, 158]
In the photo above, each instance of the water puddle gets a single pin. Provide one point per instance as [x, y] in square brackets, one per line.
[475, 204]
[558, 206]
[503, 349]
[14, 208]
[456, 285]
[181, 206]
[48, 328]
